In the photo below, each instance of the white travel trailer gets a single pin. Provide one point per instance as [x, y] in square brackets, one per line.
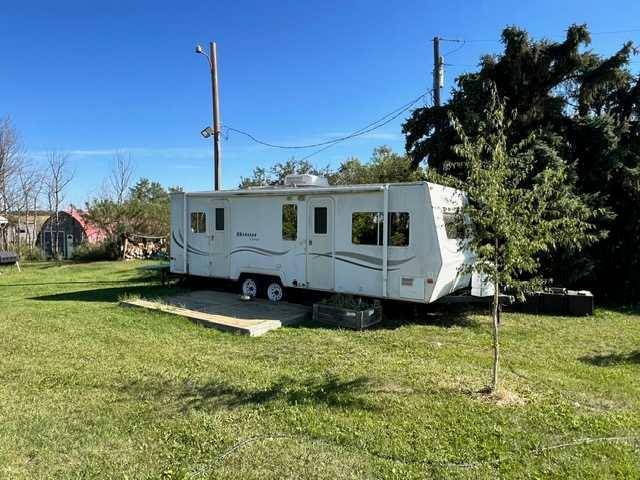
[308, 234]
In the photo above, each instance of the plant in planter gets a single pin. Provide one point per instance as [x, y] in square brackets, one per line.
[348, 311]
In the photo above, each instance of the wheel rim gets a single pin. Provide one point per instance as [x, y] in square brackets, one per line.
[274, 292]
[249, 287]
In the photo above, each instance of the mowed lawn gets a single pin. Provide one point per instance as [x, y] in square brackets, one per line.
[89, 389]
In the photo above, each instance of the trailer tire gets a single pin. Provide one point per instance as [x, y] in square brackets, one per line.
[275, 291]
[250, 286]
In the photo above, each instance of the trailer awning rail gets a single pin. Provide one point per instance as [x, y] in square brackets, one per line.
[283, 190]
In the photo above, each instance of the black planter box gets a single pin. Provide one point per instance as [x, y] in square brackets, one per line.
[567, 302]
[346, 317]
[580, 303]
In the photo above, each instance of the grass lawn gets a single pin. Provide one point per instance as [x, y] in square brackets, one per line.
[92, 390]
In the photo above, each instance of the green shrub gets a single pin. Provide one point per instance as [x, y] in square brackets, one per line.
[30, 253]
[92, 252]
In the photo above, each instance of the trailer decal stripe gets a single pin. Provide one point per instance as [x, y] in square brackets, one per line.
[173, 236]
[250, 251]
[328, 255]
[350, 256]
[378, 269]
[370, 259]
[190, 249]
[261, 251]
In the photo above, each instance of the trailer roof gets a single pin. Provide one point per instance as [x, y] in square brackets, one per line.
[281, 190]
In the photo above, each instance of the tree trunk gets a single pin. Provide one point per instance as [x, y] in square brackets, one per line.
[57, 233]
[495, 382]
[27, 234]
[34, 236]
[51, 238]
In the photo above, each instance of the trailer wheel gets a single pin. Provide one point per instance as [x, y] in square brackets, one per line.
[249, 287]
[275, 291]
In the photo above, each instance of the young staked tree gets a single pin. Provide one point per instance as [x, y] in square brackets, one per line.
[511, 219]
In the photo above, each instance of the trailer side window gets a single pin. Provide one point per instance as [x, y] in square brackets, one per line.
[219, 218]
[198, 222]
[398, 229]
[289, 221]
[366, 228]
[452, 226]
[320, 220]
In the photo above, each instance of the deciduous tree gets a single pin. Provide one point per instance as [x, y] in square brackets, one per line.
[59, 177]
[512, 217]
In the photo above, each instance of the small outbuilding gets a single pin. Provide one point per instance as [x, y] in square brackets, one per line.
[18, 230]
[61, 233]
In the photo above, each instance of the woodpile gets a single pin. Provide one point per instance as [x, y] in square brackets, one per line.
[138, 247]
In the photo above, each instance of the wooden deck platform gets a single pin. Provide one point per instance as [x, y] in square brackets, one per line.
[225, 311]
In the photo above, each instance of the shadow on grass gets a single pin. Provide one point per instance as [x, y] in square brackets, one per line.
[106, 294]
[329, 391]
[454, 317]
[72, 282]
[398, 314]
[612, 359]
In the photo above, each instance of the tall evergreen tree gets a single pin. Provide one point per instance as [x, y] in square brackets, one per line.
[585, 112]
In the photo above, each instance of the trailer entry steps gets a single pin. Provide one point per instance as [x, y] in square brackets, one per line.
[225, 311]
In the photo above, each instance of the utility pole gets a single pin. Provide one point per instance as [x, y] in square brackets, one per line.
[437, 71]
[217, 156]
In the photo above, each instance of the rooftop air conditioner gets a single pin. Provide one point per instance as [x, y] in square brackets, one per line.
[305, 180]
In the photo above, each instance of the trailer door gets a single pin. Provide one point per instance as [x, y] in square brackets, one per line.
[320, 254]
[219, 239]
[198, 231]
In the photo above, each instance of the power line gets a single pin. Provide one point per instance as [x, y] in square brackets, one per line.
[461, 65]
[326, 147]
[397, 114]
[462, 44]
[460, 40]
[384, 120]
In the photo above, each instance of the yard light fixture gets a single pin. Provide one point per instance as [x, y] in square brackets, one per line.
[212, 58]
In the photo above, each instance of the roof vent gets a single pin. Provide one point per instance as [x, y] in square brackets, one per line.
[305, 180]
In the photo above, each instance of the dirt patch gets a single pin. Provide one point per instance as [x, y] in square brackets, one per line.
[502, 397]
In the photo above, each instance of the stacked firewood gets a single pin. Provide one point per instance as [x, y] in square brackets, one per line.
[138, 248]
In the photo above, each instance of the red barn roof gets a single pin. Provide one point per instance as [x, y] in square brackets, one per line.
[94, 233]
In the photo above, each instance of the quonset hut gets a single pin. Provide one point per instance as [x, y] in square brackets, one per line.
[70, 230]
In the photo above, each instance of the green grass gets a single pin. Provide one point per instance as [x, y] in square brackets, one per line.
[89, 389]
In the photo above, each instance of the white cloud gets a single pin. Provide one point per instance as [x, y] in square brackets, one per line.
[142, 152]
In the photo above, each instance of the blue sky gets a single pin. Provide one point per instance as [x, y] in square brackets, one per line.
[94, 77]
